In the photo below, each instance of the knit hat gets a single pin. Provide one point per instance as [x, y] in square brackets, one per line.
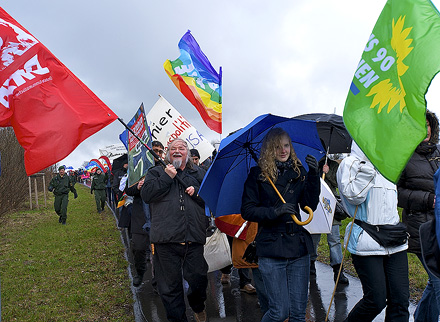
[61, 167]
[194, 153]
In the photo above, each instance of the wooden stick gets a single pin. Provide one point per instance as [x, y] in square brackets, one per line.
[340, 266]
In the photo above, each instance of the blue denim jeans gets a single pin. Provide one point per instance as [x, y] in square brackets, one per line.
[287, 286]
[261, 290]
[334, 245]
[428, 309]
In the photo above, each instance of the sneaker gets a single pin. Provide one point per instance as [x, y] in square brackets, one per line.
[248, 288]
[200, 317]
[226, 278]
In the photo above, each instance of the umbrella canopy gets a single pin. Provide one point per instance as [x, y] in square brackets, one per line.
[331, 130]
[222, 187]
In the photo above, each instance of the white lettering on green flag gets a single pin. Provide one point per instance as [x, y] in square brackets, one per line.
[385, 107]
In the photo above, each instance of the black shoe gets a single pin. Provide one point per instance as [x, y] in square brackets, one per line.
[137, 280]
[59, 220]
[312, 268]
[342, 278]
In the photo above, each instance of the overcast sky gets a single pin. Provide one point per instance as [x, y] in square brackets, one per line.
[281, 57]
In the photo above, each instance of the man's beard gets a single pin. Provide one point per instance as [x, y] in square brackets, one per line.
[177, 163]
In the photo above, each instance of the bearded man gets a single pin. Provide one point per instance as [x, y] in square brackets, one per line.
[178, 232]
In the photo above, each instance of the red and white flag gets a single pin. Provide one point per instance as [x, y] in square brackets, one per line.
[50, 109]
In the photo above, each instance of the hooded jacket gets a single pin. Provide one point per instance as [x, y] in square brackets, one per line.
[374, 199]
[416, 185]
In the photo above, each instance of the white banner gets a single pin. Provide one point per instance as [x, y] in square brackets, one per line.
[323, 216]
[167, 124]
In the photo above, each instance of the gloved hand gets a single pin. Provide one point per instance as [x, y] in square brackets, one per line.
[75, 195]
[91, 191]
[313, 164]
[50, 188]
[286, 208]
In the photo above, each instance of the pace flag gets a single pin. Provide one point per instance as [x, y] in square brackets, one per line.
[385, 107]
[194, 76]
[50, 109]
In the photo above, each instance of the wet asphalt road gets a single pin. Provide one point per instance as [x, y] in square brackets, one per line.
[226, 303]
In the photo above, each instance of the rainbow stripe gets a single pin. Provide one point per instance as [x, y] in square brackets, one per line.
[198, 81]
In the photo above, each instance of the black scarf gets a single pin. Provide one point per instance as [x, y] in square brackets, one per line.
[283, 166]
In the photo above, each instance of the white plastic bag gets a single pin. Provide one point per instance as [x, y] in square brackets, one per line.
[217, 251]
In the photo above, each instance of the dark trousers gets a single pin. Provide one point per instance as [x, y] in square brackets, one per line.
[60, 205]
[100, 199]
[384, 283]
[171, 263]
[139, 246]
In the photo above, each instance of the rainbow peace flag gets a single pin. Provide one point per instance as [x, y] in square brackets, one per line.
[194, 76]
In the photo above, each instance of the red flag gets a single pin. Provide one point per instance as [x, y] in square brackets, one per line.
[50, 109]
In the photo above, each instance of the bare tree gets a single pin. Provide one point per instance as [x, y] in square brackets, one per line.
[14, 188]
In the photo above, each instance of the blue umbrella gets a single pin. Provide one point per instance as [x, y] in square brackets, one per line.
[222, 187]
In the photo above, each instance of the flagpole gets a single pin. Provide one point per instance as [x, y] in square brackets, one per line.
[161, 161]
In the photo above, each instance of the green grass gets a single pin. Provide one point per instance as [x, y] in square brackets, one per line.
[52, 272]
[417, 274]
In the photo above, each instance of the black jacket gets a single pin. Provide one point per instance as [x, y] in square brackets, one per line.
[416, 189]
[258, 205]
[137, 211]
[176, 217]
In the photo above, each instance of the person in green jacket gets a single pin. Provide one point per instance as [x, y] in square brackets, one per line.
[99, 183]
[60, 185]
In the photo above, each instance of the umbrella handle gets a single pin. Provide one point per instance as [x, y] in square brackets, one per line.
[302, 223]
[295, 219]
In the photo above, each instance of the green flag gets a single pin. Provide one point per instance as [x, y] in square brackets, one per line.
[385, 107]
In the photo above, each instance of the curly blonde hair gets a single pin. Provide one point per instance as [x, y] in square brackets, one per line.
[267, 158]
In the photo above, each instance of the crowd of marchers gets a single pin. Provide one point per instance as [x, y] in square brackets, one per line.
[167, 225]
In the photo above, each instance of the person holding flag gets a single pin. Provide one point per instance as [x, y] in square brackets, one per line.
[383, 271]
[178, 232]
[385, 115]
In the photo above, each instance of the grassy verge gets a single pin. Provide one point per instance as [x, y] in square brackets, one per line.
[52, 272]
[417, 274]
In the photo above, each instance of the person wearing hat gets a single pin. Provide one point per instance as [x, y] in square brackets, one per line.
[416, 193]
[195, 156]
[60, 185]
